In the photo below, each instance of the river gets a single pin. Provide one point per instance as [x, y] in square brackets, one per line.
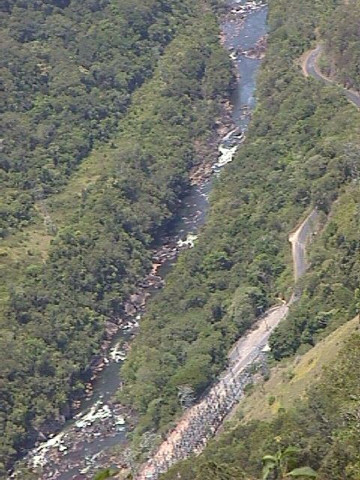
[83, 444]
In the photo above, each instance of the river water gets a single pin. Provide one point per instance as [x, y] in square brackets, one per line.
[78, 450]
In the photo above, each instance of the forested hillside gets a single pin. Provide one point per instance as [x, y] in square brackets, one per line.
[68, 72]
[341, 36]
[302, 151]
[73, 79]
[331, 288]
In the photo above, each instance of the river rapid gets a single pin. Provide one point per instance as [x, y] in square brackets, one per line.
[85, 442]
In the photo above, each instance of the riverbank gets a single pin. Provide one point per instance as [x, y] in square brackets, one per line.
[107, 420]
[103, 421]
[246, 358]
[195, 207]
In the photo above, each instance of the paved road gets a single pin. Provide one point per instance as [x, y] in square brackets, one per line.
[189, 436]
[310, 68]
[202, 420]
[298, 241]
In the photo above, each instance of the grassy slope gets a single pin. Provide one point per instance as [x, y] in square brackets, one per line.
[319, 415]
[290, 379]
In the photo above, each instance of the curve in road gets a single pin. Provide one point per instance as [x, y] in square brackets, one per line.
[310, 68]
[201, 421]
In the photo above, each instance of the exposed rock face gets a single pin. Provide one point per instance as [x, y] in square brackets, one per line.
[110, 329]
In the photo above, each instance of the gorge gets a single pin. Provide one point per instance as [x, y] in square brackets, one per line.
[83, 444]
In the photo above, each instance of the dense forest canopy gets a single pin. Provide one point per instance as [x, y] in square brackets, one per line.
[68, 73]
[108, 95]
[341, 35]
[86, 73]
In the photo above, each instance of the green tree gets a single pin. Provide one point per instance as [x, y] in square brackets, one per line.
[276, 467]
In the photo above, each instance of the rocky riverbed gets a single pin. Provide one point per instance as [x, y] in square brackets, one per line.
[86, 442]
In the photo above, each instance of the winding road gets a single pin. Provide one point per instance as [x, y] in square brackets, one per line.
[310, 68]
[200, 422]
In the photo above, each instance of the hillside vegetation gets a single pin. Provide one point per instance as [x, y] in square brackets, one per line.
[331, 288]
[322, 430]
[55, 303]
[342, 44]
[290, 379]
[302, 150]
[68, 73]
[304, 415]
